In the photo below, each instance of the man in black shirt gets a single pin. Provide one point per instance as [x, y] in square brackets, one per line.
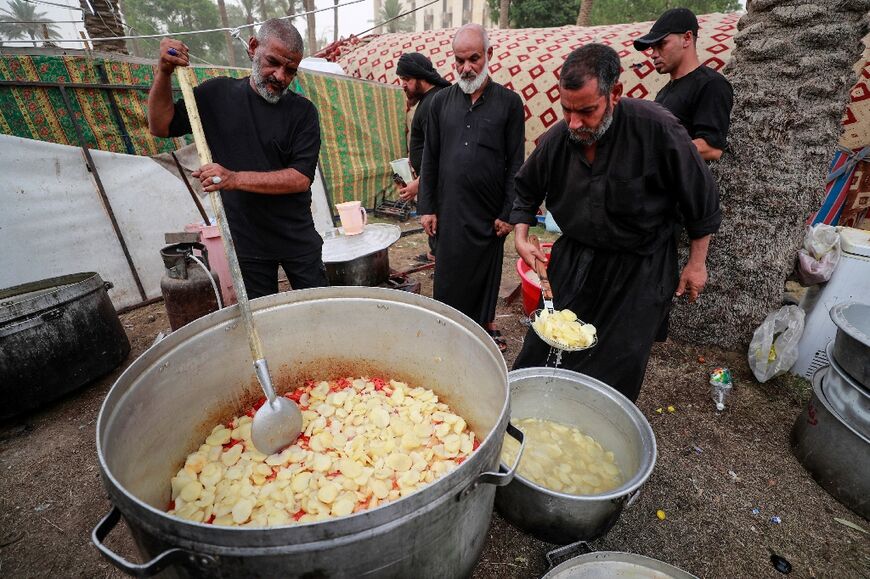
[420, 81]
[697, 95]
[612, 173]
[265, 141]
[473, 148]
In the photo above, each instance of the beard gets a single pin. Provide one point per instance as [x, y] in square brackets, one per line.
[412, 98]
[471, 83]
[590, 136]
[269, 88]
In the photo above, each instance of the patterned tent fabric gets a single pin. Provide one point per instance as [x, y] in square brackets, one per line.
[39, 113]
[362, 128]
[528, 62]
[362, 123]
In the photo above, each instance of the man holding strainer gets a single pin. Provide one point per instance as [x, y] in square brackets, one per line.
[265, 140]
[613, 173]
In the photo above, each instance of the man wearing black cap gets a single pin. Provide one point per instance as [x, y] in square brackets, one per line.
[420, 81]
[698, 96]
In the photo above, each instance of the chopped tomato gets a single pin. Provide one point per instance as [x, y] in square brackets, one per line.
[333, 474]
[259, 403]
[379, 383]
[309, 384]
[395, 484]
[299, 514]
[302, 441]
[272, 476]
[459, 460]
[476, 445]
[210, 520]
[295, 395]
[341, 384]
[171, 505]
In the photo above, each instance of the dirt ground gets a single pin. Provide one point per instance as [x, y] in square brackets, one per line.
[712, 471]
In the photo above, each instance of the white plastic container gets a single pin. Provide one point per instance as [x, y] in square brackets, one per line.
[850, 281]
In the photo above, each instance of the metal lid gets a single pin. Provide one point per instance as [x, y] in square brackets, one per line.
[608, 564]
[855, 241]
[338, 247]
[27, 299]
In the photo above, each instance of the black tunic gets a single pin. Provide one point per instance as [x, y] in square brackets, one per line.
[418, 129]
[701, 101]
[247, 133]
[615, 265]
[467, 179]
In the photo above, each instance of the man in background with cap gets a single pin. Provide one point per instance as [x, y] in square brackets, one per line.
[697, 95]
[420, 81]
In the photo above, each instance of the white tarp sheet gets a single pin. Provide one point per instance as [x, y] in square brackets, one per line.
[52, 219]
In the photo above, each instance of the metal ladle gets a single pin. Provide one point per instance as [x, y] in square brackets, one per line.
[278, 422]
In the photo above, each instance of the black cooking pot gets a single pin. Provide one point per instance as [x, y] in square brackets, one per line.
[361, 260]
[369, 270]
[56, 335]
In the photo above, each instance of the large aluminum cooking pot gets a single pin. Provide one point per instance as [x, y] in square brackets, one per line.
[601, 412]
[835, 454]
[852, 344]
[164, 404]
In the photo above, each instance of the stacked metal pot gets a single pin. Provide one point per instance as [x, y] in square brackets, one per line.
[831, 438]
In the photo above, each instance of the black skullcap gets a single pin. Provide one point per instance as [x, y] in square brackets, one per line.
[415, 65]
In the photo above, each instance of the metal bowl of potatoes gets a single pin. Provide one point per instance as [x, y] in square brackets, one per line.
[597, 410]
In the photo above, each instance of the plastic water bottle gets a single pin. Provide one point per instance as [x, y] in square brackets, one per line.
[720, 387]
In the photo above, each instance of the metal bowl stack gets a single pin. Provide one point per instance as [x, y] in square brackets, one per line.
[831, 438]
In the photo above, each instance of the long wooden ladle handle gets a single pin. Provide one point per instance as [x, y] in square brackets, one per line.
[541, 269]
[187, 80]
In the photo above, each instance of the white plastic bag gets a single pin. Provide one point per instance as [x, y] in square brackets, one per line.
[820, 254]
[774, 346]
[550, 223]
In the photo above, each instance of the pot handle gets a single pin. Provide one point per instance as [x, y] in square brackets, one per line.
[497, 478]
[152, 567]
[562, 554]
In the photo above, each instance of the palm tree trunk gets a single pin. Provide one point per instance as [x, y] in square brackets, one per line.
[103, 23]
[312, 32]
[225, 23]
[784, 128]
[583, 15]
[504, 8]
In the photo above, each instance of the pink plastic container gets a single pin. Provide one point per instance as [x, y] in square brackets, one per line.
[217, 258]
[531, 288]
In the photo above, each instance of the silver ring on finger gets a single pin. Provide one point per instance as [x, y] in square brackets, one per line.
[216, 180]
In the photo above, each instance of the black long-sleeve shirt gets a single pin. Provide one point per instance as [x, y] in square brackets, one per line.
[418, 129]
[472, 152]
[626, 200]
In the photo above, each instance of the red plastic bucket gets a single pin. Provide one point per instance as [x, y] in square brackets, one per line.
[531, 288]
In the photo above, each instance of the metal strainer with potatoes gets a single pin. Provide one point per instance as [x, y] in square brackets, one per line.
[561, 330]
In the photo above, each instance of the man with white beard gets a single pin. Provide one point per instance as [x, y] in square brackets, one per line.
[612, 174]
[474, 146]
[265, 140]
